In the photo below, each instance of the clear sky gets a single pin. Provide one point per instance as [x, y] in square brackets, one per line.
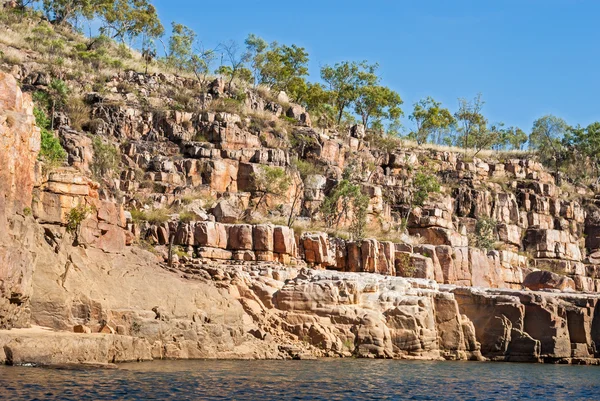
[527, 57]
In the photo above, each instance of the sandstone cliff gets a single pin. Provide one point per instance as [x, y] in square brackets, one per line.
[218, 273]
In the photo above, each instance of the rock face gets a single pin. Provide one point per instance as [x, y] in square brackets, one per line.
[233, 290]
[19, 146]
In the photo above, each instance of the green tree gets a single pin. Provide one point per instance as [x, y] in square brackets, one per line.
[255, 50]
[58, 92]
[270, 180]
[129, 19]
[583, 147]
[181, 42]
[200, 63]
[377, 102]
[473, 123]
[283, 68]
[51, 152]
[547, 138]
[418, 191]
[345, 80]
[346, 200]
[515, 138]
[432, 121]
[62, 11]
[106, 159]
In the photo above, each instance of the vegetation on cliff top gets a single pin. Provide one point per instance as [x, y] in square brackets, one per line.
[347, 92]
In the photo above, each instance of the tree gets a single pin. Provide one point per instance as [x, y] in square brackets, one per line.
[181, 44]
[270, 181]
[378, 102]
[546, 137]
[255, 49]
[346, 200]
[473, 124]
[58, 92]
[415, 195]
[585, 143]
[129, 18]
[62, 11]
[432, 121]
[283, 68]
[345, 80]
[148, 51]
[231, 52]
[515, 138]
[200, 63]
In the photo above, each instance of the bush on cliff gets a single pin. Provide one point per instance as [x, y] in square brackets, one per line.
[51, 152]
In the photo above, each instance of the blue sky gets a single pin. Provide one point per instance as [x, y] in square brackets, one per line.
[528, 57]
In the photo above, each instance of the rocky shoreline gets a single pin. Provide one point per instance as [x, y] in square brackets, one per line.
[84, 282]
[289, 313]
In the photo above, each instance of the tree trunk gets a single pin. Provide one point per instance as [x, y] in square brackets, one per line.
[171, 239]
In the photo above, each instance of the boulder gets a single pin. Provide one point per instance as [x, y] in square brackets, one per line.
[542, 279]
[262, 236]
[210, 234]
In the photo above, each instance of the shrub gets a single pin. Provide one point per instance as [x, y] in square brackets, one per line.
[485, 233]
[186, 217]
[79, 113]
[424, 184]
[347, 200]
[76, 216]
[106, 158]
[50, 150]
[226, 105]
[155, 216]
[405, 267]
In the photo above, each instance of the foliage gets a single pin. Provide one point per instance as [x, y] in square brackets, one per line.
[404, 265]
[154, 216]
[76, 216]
[423, 185]
[306, 168]
[546, 137]
[432, 121]
[186, 216]
[377, 102]
[344, 201]
[106, 158]
[51, 151]
[473, 129]
[485, 233]
[279, 67]
[345, 80]
[270, 180]
[129, 19]
[180, 51]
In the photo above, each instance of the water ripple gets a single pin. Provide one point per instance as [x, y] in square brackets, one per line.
[348, 379]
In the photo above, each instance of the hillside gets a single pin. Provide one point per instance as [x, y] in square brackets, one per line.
[187, 219]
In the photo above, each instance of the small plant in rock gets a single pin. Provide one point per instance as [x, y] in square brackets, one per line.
[347, 201]
[106, 158]
[51, 152]
[404, 265]
[186, 217]
[157, 216]
[76, 216]
[485, 233]
[270, 180]
[136, 327]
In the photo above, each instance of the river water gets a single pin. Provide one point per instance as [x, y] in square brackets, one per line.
[339, 379]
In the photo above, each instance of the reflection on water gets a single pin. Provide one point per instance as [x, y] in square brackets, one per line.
[347, 379]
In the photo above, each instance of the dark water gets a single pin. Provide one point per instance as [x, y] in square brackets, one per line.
[348, 379]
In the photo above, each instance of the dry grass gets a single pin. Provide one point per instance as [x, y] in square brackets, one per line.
[483, 154]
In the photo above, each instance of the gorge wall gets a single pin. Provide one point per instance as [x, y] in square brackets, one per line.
[236, 282]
